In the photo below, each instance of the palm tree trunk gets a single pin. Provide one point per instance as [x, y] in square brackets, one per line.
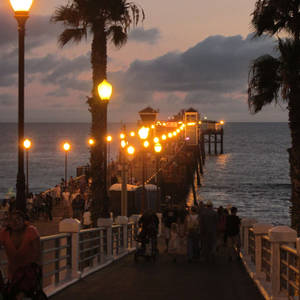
[294, 156]
[98, 111]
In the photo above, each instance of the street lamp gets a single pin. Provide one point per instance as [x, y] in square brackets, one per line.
[104, 91]
[143, 133]
[27, 146]
[157, 149]
[108, 139]
[66, 147]
[130, 151]
[91, 142]
[21, 9]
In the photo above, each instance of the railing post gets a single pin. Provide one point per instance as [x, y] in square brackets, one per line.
[123, 221]
[245, 225]
[278, 235]
[107, 224]
[259, 229]
[72, 226]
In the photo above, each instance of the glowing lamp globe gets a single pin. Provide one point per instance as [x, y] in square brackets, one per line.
[146, 144]
[109, 138]
[130, 150]
[156, 140]
[157, 147]
[123, 143]
[122, 136]
[143, 133]
[222, 122]
[66, 146]
[170, 134]
[91, 142]
[132, 133]
[163, 137]
[104, 90]
[21, 5]
[27, 144]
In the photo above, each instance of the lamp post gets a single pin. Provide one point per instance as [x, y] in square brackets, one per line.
[108, 140]
[66, 147]
[27, 146]
[105, 91]
[21, 9]
[130, 151]
[157, 149]
[143, 134]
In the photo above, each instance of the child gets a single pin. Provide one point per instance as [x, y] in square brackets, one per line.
[174, 241]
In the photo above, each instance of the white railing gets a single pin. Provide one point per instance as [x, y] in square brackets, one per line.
[69, 256]
[271, 255]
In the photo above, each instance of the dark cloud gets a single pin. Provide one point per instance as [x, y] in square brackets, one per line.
[218, 65]
[62, 72]
[149, 36]
[38, 31]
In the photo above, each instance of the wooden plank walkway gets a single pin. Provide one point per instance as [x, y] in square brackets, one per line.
[163, 280]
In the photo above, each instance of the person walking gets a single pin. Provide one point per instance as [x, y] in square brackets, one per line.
[208, 227]
[192, 233]
[221, 228]
[173, 249]
[233, 223]
[169, 217]
[21, 242]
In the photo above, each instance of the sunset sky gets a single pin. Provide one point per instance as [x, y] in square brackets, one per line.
[192, 53]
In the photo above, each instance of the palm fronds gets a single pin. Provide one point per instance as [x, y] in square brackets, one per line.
[263, 82]
[273, 16]
[71, 34]
[117, 35]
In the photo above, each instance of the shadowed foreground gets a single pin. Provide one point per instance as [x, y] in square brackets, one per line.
[165, 280]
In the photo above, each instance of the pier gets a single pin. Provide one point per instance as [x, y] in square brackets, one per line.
[83, 264]
[86, 263]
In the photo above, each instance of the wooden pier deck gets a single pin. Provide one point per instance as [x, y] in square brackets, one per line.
[127, 280]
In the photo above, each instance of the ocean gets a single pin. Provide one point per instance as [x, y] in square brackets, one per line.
[252, 174]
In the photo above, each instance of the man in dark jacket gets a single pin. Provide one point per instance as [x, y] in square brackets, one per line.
[232, 233]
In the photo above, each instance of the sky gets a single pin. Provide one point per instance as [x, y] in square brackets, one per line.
[185, 54]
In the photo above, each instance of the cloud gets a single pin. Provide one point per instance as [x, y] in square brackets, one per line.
[63, 73]
[38, 31]
[212, 76]
[140, 35]
[217, 65]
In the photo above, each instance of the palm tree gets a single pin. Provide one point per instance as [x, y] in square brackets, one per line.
[105, 20]
[277, 79]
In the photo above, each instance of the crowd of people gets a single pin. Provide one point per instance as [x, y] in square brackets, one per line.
[73, 197]
[201, 232]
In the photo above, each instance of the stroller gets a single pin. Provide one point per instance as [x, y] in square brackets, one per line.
[146, 243]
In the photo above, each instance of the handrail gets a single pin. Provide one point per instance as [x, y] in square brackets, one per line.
[68, 256]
